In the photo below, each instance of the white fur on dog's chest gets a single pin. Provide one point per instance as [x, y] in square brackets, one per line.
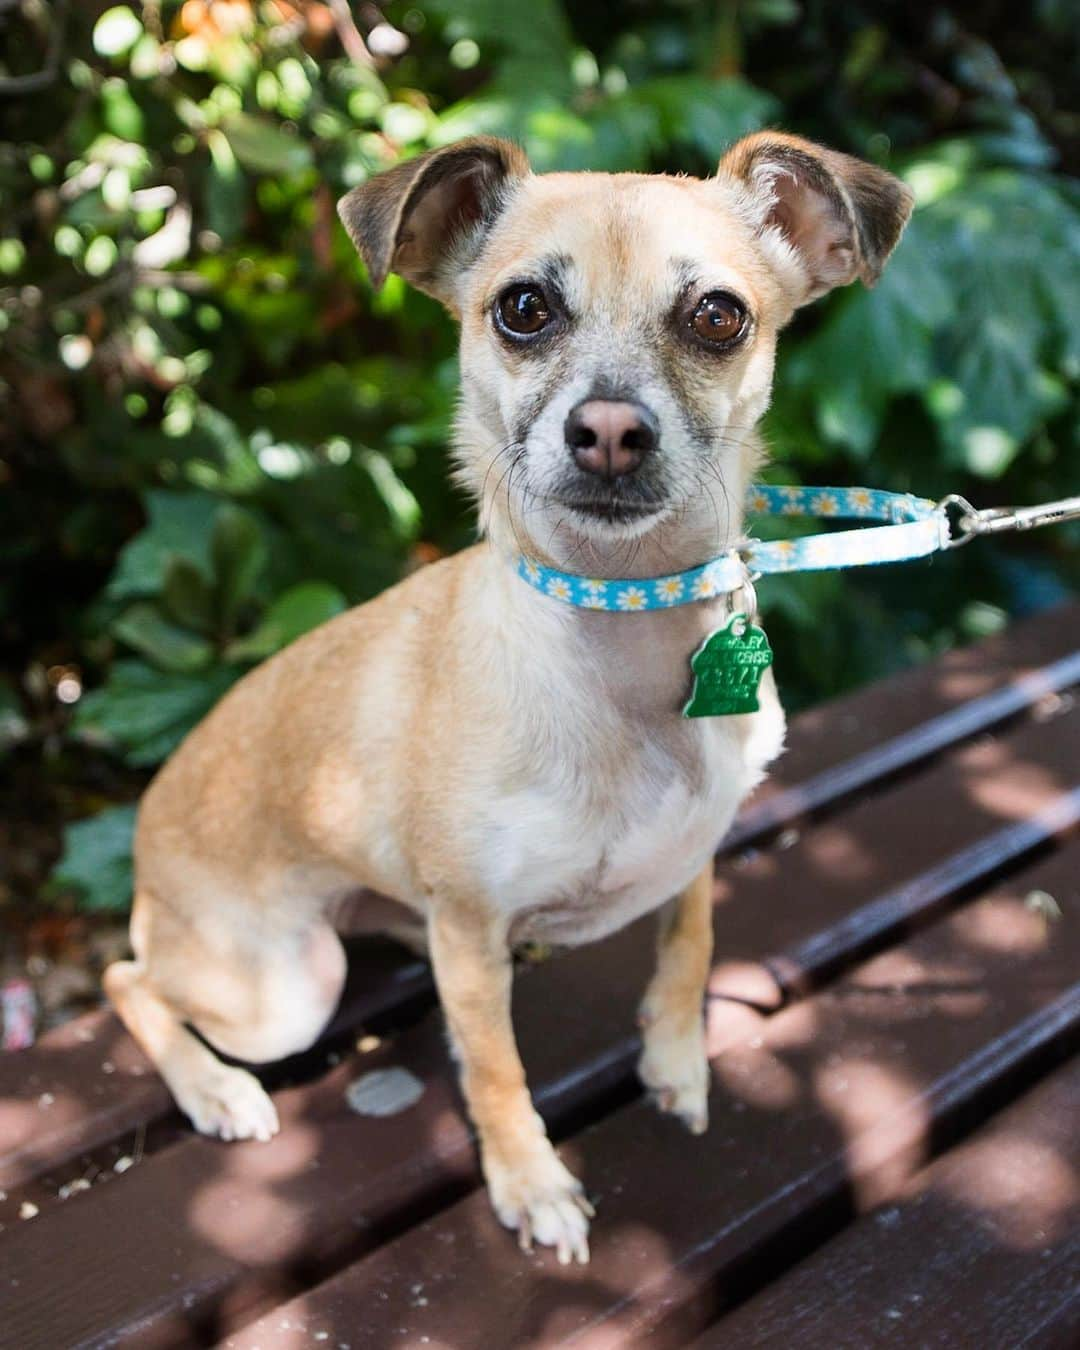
[570, 871]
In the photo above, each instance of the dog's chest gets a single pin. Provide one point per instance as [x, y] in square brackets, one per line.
[571, 866]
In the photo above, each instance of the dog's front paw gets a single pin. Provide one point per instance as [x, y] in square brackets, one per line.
[230, 1103]
[536, 1196]
[674, 1067]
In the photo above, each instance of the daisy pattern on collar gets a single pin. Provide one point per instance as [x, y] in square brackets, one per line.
[531, 569]
[632, 597]
[669, 589]
[860, 502]
[594, 594]
[816, 552]
[705, 586]
[785, 551]
[558, 589]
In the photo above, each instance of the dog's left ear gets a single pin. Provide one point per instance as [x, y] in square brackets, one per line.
[414, 218]
[840, 215]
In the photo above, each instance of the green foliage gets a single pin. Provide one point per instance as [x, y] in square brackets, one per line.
[214, 436]
[97, 858]
[201, 564]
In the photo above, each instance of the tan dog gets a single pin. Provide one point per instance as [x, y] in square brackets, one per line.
[506, 766]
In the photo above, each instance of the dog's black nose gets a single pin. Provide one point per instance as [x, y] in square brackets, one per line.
[609, 438]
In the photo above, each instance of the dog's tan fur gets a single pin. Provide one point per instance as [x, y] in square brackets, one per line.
[504, 766]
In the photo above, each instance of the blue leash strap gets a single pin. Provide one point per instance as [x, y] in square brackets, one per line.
[915, 528]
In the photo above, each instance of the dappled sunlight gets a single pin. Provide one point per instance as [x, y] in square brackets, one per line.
[289, 1155]
[1016, 795]
[960, 686]
[22, 1120]
[1022, 1187]
[746, 982]
[1004, 926]
[753, 1074]
[796, 1028]
[899, 986]
[838, 852]
[445, 1132]
[728, 1023]
[883, 1119]
[251, 1224]
[893, 970]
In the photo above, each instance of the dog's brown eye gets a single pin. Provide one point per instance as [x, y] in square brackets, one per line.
[718, 319]
[523, 310]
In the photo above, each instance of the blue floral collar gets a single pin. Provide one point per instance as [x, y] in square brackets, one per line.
[915, 528]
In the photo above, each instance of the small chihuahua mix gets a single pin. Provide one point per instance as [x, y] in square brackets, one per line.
[507, 767]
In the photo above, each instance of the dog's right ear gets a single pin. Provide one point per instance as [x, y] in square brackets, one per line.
[418, 217]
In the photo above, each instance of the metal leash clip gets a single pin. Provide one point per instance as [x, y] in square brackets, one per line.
[967, 521]
[744, 600]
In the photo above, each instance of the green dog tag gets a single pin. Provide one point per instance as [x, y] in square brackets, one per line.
[728, 667]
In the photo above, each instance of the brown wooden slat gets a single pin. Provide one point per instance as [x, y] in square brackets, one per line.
[983, 1249]
[840, 1094]
[575, 1020]
[811, 961]
[846, 884]
[956, 696]
[87, 1084]
[887, 757]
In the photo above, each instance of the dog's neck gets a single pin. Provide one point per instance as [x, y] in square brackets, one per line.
[641, 661]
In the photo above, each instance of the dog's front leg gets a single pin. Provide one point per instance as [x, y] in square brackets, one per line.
[530, 1189]
[673, 1064]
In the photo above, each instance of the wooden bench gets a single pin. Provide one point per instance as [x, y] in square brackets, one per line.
[894, 1146]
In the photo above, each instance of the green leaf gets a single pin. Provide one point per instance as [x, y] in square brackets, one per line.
[120, 113]
[168, 647]
[226, 190]
[187, 596]
[534, 41]
[402, 506]
[179, 523]
[706, 114]
[263, 147]
[239, 553]
[97, 858]
[295, 612]
[998, 236]
[874, 345]
[148, 712]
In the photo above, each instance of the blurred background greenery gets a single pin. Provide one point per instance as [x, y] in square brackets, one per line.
[214, 436]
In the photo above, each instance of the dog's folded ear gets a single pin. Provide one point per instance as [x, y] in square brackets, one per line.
[421, 218]
[840, 215]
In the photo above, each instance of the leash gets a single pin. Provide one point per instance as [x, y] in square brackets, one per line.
[914, 527]
[729, 665]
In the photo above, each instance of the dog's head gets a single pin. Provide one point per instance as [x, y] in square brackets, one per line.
[618, 331]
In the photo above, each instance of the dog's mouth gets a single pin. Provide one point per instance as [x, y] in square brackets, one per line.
[612, 506]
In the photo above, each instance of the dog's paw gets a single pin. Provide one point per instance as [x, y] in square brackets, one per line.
[231, 1104]
[542, 1201]
[675, 1069]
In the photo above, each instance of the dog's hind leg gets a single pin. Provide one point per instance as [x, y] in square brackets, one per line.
[219, 1099]
[262, 1005]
